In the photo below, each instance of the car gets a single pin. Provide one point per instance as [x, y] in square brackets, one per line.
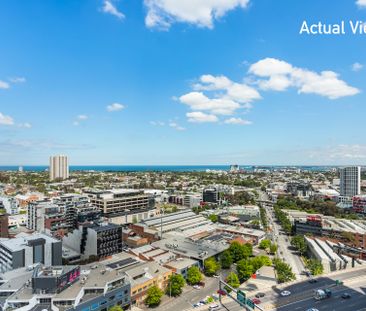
[216, 276]
[214, 307]
[221, 292]
[196, 287]
[307, 273]
[313, 281]
[346, 296]
[260, 295]
[285, 293]
[312, 309]
[256, 301]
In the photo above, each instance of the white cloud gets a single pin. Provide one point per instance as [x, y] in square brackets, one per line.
[4, 85]
[238, 121]
[282, 75]
[17, 80]
[176, 126]
[199, 101]
[110, 8]
[115, 107]
[82, 117]
[357, 66]
[202, 13]
[6, 120]
[25, 125]
[361, 3]
[200, 117]
[157, 123]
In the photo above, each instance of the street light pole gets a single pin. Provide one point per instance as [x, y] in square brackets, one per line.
[161, 222]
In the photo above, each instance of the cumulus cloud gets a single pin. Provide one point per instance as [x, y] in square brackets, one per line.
[356, 67]
[202, 13]
[115, 107]
[200, 117]
[282, 75]
[110, 8]
[361, 3]
[238, 121]
[6, 120]
[4, 85]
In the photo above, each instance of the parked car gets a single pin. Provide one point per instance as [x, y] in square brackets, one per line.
[285, 293]
[214, 307]
[221, 292]
[313, 281]
[202, 284]
[260, 295]
[256, 301]
[346, 296]
[196, 287]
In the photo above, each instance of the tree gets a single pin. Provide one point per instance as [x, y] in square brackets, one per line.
[213, 218]
[233, 281]
[211, 266]
[226, 259]
[264, 244]
[115, 308]
[298, 241]
[284, 271]
[260, 261]
[315, 266]
[175, 285]
[194, 275]
[239, 251]
[154, 295]
[273, 248]
[245, 269]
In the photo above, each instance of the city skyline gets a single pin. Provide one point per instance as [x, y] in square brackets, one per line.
[154, 83]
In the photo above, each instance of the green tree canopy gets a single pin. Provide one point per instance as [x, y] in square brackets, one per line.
[245, 269]
[115, 308]
[194, 275]
[213, 218]
[232, 280]
[175, 285]
[264, 244]
[284, 271]
[273, 248]
[211, 266]
[315, 266]
[298, 241]
[154, 295]
[226, 259]
[239, 252]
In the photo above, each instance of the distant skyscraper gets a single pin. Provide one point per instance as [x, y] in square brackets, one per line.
[59, 167]
[350, 181]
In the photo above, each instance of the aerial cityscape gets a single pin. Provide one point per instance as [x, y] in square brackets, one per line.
[182, 155]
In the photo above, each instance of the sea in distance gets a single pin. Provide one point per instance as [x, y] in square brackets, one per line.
[164, 168]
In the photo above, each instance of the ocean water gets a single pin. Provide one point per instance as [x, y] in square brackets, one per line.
[161, 168]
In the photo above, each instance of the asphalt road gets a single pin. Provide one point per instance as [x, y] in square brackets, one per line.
[301, 298]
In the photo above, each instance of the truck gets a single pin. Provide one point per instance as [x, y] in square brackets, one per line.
[320, 294]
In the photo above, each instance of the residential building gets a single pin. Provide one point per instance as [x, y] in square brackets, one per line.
[59, 167]
[28, 249]
[350, 181]
[4, 225]
[95, 239]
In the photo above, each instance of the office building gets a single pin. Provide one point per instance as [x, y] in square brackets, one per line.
[350, 181]
[65, 288]
[27, 249]
[210, 195]
[59, 167]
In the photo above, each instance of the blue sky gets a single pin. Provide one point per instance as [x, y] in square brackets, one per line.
[171, 82]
